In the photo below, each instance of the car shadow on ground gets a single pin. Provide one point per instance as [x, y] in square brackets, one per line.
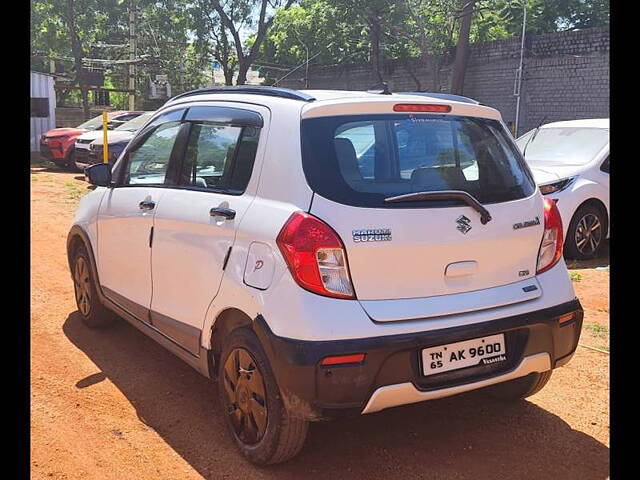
[45, 166]
[463, 437]
[602, 260]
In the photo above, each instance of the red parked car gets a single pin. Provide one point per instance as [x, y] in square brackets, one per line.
[57, 144]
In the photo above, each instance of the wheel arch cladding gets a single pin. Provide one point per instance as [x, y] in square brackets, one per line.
[76, 239]
[227, 321]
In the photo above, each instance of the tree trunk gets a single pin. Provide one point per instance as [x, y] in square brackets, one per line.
[374, 37]
[76, 47]
[243, 68]
[462, 49]
[228, 76]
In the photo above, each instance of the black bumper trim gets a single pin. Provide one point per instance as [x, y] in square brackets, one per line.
[318, 393]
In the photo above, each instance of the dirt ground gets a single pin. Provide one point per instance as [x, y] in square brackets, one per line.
[115, 405]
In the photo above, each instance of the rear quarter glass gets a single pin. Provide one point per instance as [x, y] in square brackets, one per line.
[360, 160]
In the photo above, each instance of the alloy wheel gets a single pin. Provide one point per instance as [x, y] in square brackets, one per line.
[245, 396]
[82, 284]
[588, 234]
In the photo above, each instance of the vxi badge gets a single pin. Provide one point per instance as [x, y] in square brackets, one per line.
[528, 223]
[372, 235]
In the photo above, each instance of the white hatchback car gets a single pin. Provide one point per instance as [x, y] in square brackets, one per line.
[328, 253]
[570, 162]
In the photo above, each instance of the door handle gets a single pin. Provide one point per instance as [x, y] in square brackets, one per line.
[147, 205]
[227, 213]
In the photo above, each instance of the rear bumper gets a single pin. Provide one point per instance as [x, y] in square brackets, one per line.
[391, 372]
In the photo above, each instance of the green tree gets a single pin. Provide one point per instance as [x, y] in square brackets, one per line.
[238, 16]
[164, 42]
[503, 18]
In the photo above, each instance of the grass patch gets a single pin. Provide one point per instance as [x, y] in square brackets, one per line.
[575, 276]
[74, 191]
[597, 330]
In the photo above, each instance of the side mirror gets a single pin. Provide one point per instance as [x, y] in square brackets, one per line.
[99, 174]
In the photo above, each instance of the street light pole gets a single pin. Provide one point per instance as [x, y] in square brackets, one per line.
[132, 55]
[519, 72]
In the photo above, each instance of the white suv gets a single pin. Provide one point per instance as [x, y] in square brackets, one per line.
[328, 253]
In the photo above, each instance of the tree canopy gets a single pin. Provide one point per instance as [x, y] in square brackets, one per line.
[182, 38]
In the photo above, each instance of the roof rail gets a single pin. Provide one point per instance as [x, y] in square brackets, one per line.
[443, 96]
[250, 90]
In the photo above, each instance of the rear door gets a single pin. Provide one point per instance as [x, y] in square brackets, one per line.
[195, 225]
[426, 249]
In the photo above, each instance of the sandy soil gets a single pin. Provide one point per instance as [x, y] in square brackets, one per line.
[115, 405]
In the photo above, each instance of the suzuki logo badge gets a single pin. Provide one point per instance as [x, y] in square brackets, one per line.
[464, 224]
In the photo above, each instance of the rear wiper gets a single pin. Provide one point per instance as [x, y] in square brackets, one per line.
[467, 198]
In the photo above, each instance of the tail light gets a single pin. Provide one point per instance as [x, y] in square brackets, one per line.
[552, 241]
[315, 256]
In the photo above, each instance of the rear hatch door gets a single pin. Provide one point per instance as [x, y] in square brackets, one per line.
[422, 257]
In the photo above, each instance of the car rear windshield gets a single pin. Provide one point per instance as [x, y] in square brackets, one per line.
[361, 160]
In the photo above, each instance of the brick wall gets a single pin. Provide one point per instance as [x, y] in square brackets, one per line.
[566, 76]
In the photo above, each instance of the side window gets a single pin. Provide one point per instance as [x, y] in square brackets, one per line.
[148, 163]
[605, 166]
[219, 157]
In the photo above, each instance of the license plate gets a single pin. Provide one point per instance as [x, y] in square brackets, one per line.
[453, 356]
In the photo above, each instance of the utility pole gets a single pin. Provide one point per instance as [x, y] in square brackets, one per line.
[132, 55]
[519, 71]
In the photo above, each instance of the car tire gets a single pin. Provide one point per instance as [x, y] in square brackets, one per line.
[60, 163]
[519, 388]
[94, 313]
[255, 416]
[71, 163]
[586, 233]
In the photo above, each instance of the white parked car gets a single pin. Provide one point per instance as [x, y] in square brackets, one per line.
[119, 135]
[328, 253]
[570, 163]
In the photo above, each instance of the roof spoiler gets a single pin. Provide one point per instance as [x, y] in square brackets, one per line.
[443, 96]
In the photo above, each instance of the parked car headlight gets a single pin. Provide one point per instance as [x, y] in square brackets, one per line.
[556, 186]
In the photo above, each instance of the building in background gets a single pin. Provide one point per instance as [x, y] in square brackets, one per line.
[43, 107]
